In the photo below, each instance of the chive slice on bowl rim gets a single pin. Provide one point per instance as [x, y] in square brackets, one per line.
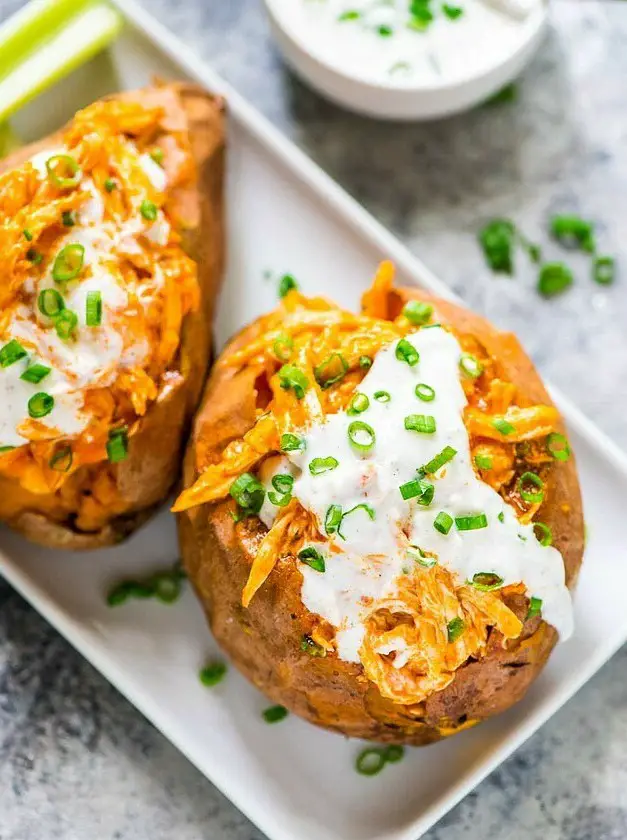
[117, 445]
[61, 460]
[470, 366]
[292, 443]
[417, 312]
[604, 270]
[497, 239]
[35, 373]
[443, 522]
[501, 517]
[65, 323]
[557, 446]
[503, 426]
[358, 404]
[572, 230]
[166, 587]
[292, 377]
[382, 396]
[455, 628]
[313, 558]
[50, 303]
[436, 463]
[287, 283]
[371, 761]
[545, 536]
[11, 352]
[423, 423]
[554, 278]
[531, 496]
[424, 392]
[362, 437]
[93, 309]
[535, 607]
[63, 171]
[68, 263]
[40, 405]
[248, 492]
[330, 371]
[274, 714]
[148, 210]
[212, 674]
[318, 466]
[406, 352]
[471, 523]
[486, 581]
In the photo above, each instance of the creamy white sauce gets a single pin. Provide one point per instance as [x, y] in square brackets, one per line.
[155, 173]
[367, 563]
[485, 34]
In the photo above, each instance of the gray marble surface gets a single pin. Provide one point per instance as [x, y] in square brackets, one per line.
[76, 760]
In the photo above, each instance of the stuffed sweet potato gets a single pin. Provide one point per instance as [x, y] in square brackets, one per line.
[111, 252]
[382, 516]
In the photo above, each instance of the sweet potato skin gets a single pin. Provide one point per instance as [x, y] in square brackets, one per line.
[264, 641]
[152, 467]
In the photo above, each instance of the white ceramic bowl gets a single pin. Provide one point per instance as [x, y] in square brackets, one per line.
[388, 100]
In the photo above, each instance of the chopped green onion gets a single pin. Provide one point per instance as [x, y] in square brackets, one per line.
[61, 461]
[50, 303]
[307, 645]
[287, 284]
[452, 12]
[361, 436]
[422, 17]
[321, 465]
[11, 352]
[40, 405]
[333, 519]
[424, 392]
[28, 236]
[554, 278]
[128, 589]
[545, 537]
[110, 185]
[148, 209]
[471, 523]
[418, 555]
[358, 404]
[417, 312]
[394, 753]
[370, 761]
[117, 445]
[312, 557]
[406, 352]
[283, 484]
[93, 309]
[333, 369]
[67, 218]
[365, 362]
[454, 629]
[282, 347]
[497, 240]
[157, 155]
[486, 581]
[442, 458]
[557, 446]
[501, 517]
[385, 31]
[64, 171]
[535, 607]
[419, 489]
[369, 511]
[35, 373]
[530, 496]
[483, 462]
[65, 323]
[274, 714]
[422, 423]
[382, 396]
[4, 449]
[573, 231]
[68, 263]
[291, 376]
[509, 93]
[166, 587]
[212, 674]
[470, 366]
[34, 256]
[443, 522]
[292, 443]
[604, 270]
[349, 15]
[248, 492]
[503, 426]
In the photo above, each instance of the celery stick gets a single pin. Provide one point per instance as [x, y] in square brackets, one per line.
[63, 51]
[9, 141]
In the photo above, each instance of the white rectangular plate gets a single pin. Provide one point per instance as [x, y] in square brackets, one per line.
[291, 779]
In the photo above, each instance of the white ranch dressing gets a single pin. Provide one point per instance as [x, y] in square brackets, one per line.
[485, 34]
[366, 565]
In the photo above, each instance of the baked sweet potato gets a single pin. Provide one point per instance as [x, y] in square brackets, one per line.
[451, 623]
[111, 250]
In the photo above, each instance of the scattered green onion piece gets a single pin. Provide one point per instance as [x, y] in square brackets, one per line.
[509, 93]
[422, 423]
[307, 645]
[424, 392]
[166, 587]
[333, 519]
[422, 16]
[291, 376]
[497, 240]
[455, 628]
[34, 256]
[65, 323]
[406, 352]
[67, 218]
[129, 589]
[483, 462]
[418, 555]
[292, 443]
[35, 373]
[546, 537]
[64, 171]
[535, 607]
[40, 405]
[287, 283]
[282, 347]
[318, 466]
[68, 263]
[312, 557]
[503, 426]
[358, 404]
[274, 714]
[604, 270]
[443, 522]
[382, 396]
[349, 15]
[385, 31]
[420, 490]
[149, 210]
[501, 517]
[470, 366]
[28, 236]
[417, 312]
[157, 156]
[283, 484]
[442, 458]
[4, 449]
[11, 352]
[365, 362]
[394, 753]
[529, 495]
[370, 761]
[361, 435]
[471, 523]
[486, 581]
[557, 446]
[61, 461]
[110, 185]
[212, 674]
[93, 309]
[554, 278]
[368, 510]
[573, 231]
[117, 445]
[248, 492]
[452, 12]
[333, 369]
[50, 303]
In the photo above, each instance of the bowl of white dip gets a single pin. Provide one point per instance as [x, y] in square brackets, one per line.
[408, 59]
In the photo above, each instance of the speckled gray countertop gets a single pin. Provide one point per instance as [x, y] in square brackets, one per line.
[77, 762]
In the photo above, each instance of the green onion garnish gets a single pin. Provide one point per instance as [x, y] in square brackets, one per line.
[382, 396]
[545, 537]
[64, 171]
[358, 404]
[501, 517]
[531, 496]
[486, 581]
[333, 369]
[291, 376]
[274, 714]
[110, 185]
[40, 405]
[4, 449]
[282, 347]
[417, 312]
[422, 423]
[249, 493]
[442, 458]
[157, 155]
[557, 446]
[406, 352]
[283, 484]
[535, 607]
[418, 555]
[286, 284]
[573, 231]
[394, 753]
[471, 523]
[470, 366]
[28, 236]
[35, 373]
[503, 426]
[422, 16]
[93, 309]
[443, 522]
[370, 761]
[424, 392]
[604, 270]
[11, 352]
[454, 629]
[368, 510]
[129, 589]
[50, 303]
[419, 489]
[67, 218]
[497, 240]
[312, 557]
[333, 519]
[321, 465]
[307, 645]
[68, 263]
[212, 674]
[34, 256]
[385, 31]
[166, 587]
[361, 436]
[117, 445]
[349, 15]
[292, 443]
[554, 278]
[483, 462]
[65, 323]
[148, 209]
[452, 12]
[61, 461]
[365, 362]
